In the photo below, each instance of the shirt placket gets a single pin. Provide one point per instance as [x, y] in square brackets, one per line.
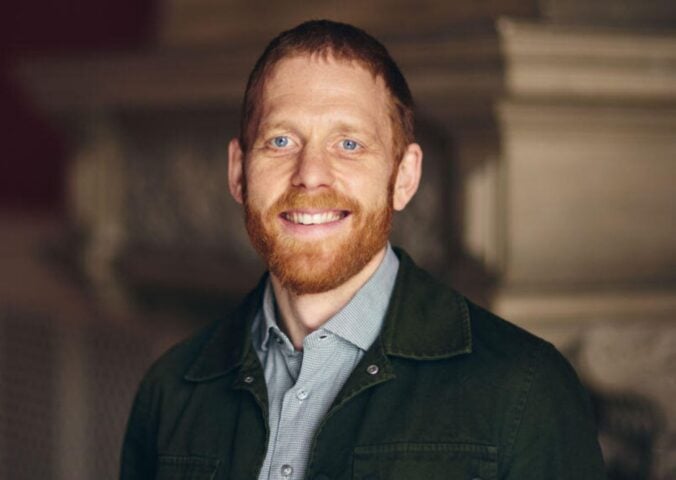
[286, 465]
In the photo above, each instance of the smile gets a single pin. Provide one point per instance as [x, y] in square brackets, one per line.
[303, 218]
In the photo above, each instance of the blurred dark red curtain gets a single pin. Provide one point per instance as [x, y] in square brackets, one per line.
[32, 153]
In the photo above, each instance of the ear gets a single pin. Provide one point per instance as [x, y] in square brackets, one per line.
[408, 176]
[236, 170]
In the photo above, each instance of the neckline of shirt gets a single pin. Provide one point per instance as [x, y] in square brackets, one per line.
[359, 322]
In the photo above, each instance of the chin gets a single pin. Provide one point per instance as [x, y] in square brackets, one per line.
[308, 272]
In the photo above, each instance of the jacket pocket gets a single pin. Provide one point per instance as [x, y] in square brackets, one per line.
[175, 467]
[429, 461]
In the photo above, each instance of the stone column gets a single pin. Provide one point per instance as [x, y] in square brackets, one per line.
[587, 170]
[587, 242]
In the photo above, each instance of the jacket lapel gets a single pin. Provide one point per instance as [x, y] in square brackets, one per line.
[229, 344]
[425, 321]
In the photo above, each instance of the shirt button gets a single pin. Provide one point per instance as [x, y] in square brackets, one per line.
[301, 394]
[372, 369]
[286, 470]
[248, 379]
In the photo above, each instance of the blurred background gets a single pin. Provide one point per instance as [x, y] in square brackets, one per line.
[549, 131]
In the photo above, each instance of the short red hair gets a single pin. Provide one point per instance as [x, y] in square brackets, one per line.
[341, 42]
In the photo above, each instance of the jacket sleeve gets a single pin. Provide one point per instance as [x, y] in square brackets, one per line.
[555, 435]
[138, 448]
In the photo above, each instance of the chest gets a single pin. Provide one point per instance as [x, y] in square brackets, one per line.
[424, 421]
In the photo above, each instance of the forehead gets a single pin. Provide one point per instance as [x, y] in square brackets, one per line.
[306, 81]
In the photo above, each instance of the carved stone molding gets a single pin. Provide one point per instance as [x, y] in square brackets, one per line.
[592, 64]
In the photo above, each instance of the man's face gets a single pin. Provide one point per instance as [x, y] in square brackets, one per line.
[318, 180]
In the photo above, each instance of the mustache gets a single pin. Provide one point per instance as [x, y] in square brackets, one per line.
[295, 199]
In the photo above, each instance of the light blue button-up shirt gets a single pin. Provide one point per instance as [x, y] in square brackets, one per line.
[302, 385]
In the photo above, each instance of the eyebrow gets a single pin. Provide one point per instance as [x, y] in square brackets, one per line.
[282, 125]
[343, 126]
[349, 127]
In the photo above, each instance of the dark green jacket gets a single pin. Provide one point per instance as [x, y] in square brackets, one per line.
[459, 394]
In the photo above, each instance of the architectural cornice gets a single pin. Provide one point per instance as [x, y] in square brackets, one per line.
[599, 63]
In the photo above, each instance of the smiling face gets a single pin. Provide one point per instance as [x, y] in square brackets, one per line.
[319, 182]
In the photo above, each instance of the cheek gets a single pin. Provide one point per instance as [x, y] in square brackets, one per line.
[255, 194]
[262, 188]
[372, 193]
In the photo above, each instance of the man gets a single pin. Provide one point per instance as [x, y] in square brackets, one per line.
[348, 361]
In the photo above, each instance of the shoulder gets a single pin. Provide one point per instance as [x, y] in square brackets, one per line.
[517, 353]
[496, 336]
[545, 402]
[209, 353]
[174, 363]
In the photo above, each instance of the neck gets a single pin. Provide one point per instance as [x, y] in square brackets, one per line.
[300, 315]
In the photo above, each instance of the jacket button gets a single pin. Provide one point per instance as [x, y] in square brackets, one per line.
[286, 470]
[248, 379]
[372, 369]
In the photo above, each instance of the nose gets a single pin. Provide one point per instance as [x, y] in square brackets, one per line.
[313, 169]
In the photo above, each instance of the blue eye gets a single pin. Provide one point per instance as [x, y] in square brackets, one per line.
[349, 144]
[280, 142]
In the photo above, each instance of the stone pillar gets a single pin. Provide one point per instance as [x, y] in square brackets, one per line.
[587, 172]
[587, 239]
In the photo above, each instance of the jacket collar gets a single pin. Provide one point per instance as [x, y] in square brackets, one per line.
[425, 321]
[228, 344]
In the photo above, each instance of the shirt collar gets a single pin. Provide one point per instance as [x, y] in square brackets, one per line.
[425, 321]
[265, 324]
[358, 322]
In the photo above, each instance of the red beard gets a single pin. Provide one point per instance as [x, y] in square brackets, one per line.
[307, 266]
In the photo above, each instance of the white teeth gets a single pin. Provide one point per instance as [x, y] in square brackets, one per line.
[313, 218]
